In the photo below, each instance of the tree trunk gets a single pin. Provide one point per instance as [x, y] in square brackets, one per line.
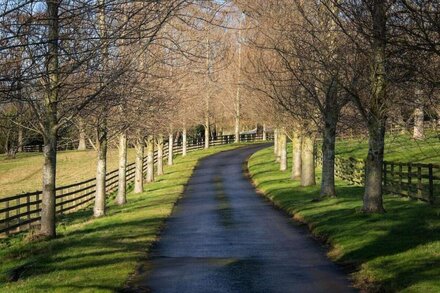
[82, 136]
[373, 169]
[328, 150]
[264, 132]
[237, 96]
[160, 154]
[139, 165]
[237, 117]
[170, 149]
[20, 139]
[400, 122]
[207, 134]
[283, 151]
[376, 112]
[10, 147]
[207, 97]
[49, 185]
[101, 170]
[330, 120]
[419, 117]
[308, 161]
[7, 144]
[184, 142]
[121, 197]
[150, 158]
[102, 139]
[12, 152]
[50, 125]
[437, 110]
[296, 155]
[279, 146]
[237, 129]
[275, 142]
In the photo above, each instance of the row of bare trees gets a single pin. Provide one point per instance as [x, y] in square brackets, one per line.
[138, 73]
[115, 72]
[323, 67]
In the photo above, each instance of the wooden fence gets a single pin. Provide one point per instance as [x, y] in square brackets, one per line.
[420, 181]
[415, 180]
[198, 141]
[38, 148]
[22, 211]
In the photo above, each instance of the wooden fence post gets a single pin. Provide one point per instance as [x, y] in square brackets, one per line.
[419, 182]
[28, 209]
[17, 212]
[38, 204]
[431, 184]
[7, 218]
[400, 178]
[61, 200]
[392, 177]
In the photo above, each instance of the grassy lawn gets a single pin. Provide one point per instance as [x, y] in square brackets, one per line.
[97, 255]
[399, 148]
[23, 174]
[396, 251]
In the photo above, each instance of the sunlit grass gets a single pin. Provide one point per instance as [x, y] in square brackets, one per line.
[24, 173]
[97, 255]
[395, 251]
[399, 148]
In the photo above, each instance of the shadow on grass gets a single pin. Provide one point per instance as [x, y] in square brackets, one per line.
[393, 251]
[96, 254]
[93, 254]
[79, 288]
[94, 259]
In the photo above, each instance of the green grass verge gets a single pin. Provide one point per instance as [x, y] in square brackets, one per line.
[395, 251]
[399, 148]
[97, 255]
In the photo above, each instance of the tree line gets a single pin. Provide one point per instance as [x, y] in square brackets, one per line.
[329, 67]
[117, 73]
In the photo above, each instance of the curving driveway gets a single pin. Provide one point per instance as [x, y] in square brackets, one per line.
[223, 237]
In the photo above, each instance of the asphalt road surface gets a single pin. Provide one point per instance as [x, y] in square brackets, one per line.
[224, 237]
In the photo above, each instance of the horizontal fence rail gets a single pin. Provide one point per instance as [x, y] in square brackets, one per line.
[414, 180]
[38, 148]
[21, 212]
[420, 181]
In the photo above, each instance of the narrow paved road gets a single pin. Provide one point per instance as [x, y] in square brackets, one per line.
[223, 237]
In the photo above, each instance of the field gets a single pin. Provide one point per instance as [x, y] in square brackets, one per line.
[24, 174]
[97, 255]
[399, 148]
[395, 251]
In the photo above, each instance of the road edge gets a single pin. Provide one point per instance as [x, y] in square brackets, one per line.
[348, 268]
[142, 268]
